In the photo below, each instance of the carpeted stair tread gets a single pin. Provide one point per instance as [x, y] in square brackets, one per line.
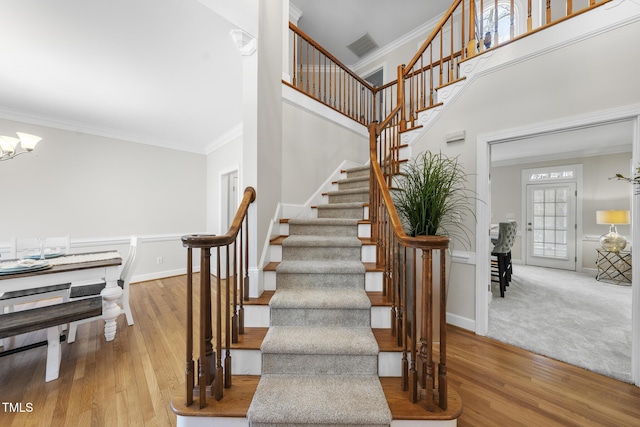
[287, 400]
[342, 298]
[321, 241]
[349, 205]
[362, 179]
[320, 267]
[320, 340]
[348, 191]
[323, 221]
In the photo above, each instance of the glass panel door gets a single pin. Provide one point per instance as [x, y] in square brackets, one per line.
[551, 225]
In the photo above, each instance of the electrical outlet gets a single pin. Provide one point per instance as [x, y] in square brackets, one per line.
[159, 260]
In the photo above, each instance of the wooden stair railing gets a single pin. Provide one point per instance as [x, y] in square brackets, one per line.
[436, 64]
[405, 279]
[213, 376]
[318, 74]
[460, 35]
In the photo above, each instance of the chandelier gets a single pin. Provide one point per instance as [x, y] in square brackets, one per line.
[9, 144]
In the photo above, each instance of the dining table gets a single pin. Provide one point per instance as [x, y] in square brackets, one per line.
[80, 268]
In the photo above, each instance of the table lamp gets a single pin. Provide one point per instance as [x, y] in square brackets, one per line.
[612, 241]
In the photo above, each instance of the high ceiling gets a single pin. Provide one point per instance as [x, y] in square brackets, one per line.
[337, 23]
[142, 70]
[164, 73]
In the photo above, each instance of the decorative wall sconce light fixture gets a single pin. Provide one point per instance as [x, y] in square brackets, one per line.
[9, 145]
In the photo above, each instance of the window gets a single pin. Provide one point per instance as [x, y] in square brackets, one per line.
[504, 18]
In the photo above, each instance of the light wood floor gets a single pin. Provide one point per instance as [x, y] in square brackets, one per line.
[130, 380]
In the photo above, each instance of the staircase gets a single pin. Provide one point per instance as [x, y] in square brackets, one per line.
[320, 357]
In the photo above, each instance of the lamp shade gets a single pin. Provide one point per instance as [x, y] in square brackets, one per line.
[612, 217]
[8, 143]
[28, 141]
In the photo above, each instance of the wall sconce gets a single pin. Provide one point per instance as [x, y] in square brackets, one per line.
[612, 241]
[455, 136]
[8, 145]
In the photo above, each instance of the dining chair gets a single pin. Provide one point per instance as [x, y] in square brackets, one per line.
[501, 267]
[84, 290]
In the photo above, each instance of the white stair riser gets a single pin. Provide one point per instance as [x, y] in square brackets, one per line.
[259, 316]
[245, 362]
[183, 421]
[390, 364]
[284, 229]
[269, 278]
[275, 253]
[381, 317]
[368, 253]
[373, 281]
[249, 362]
[364, 230]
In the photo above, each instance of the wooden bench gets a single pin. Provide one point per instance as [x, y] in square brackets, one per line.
[51, 318]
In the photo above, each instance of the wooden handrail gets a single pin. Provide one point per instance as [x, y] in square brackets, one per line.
[412, 322]
[433, 34]
[320, 75]
[213, 374]
[211, 241]
[415, 88]
[325, 52]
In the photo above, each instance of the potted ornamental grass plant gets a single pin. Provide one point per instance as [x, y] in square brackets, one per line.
[432, 197]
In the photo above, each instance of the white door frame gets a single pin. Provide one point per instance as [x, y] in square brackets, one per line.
[483, 212]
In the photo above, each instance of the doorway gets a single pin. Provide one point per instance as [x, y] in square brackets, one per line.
[228, 207]
[228, 199]
[533, 137]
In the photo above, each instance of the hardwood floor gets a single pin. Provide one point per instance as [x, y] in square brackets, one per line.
[130, 380]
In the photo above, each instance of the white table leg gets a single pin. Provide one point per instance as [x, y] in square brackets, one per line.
[111, 294]
[54, 353]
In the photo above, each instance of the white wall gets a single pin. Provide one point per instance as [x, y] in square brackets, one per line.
[313, 147]
[99, 191]
[599, 193]
[560, 84]
[223, 160]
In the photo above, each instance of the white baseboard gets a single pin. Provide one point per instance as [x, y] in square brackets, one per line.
[461, 322]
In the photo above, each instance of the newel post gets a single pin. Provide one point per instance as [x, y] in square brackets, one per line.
[403, 112]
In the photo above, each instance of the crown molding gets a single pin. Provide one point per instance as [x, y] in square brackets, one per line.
[294, 13]
[244, 41]
[229, 136]
[75, 126]
[425, 28]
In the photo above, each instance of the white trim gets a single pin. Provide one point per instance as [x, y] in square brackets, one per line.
[419, 32]
[76, 126]
[162, 274]
[229, 136]
[461, 322]
[294, 14]
[575, 30]
[222, 203]
[293, 97]
[483, 215]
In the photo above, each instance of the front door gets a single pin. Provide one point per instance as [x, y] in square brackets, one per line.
[551, 225]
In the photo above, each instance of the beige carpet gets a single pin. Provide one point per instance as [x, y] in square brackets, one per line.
[567, 316]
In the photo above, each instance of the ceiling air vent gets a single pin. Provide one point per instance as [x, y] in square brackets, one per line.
[363, 45]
